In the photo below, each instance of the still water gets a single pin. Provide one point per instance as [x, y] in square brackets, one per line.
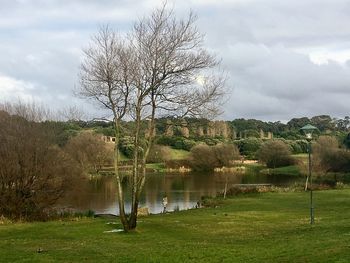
[183, 191]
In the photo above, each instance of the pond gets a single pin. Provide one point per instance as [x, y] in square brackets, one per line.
[183, 191]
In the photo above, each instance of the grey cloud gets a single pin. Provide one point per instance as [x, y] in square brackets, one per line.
[282, 84]
[264, 46]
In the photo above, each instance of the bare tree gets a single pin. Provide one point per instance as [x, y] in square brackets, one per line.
[161, 66]
[275, 153]
[73, 113]
[89, 151]
[104, 78]
[30, 111]
[34, 174]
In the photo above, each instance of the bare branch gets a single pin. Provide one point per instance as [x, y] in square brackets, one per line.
[155, 69]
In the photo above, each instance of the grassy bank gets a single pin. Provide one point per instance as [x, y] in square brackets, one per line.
[177, 154]
[292, 170]
[271, 227]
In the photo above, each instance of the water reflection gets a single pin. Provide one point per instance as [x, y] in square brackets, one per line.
[182, 190]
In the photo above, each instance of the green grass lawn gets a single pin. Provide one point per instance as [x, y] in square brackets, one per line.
[292, 170]
[270, 227]
[177, 154]
[160, 167]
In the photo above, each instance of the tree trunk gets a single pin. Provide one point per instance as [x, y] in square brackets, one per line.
[120, 193]
[225, 190]
[136, 170]
[139, 171]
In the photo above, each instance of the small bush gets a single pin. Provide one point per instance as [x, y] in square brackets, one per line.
[34, 173]
[294, 146]
[249, 147]
[206, 158]
[165, 140]
[212, 141]
[159, 154]
[184, 144]
[225, 154]
[89, 152]
[203, 158]
[328, 157]
[275, 153]
[176, 142]
[126, 146]
[336, 161]
[303, 144]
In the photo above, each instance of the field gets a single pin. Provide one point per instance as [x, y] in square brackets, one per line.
[269, 227]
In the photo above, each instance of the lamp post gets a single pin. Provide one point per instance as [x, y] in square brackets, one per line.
[308, 130]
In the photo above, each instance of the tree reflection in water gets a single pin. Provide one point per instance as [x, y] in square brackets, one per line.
[182, 190]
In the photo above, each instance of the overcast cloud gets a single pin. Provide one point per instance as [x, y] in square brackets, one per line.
[284, 59]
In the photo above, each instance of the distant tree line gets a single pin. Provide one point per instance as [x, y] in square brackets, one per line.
[290, 133]
[290, 130]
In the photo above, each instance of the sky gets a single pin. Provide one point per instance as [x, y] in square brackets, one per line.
[284, 58]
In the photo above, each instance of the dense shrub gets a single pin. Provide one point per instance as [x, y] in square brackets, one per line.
[107, 131]
[328, 157]
[340, 162]
[165, 140]
[184, 144]
[252, 133]
[212, 141]
[34, 173]
[176, 142]
[291, 134]
[275, 153]
[303, 144]
[296, 148]
[323, 152]
[203, 158]
[225, 154]
[60, 132]
[249, 147]
[127, 150]
[206, 158]
[346, 141]
[126, 146]
[89, 152]
[159, 153]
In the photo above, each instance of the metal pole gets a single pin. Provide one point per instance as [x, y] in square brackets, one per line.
[312, 220]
